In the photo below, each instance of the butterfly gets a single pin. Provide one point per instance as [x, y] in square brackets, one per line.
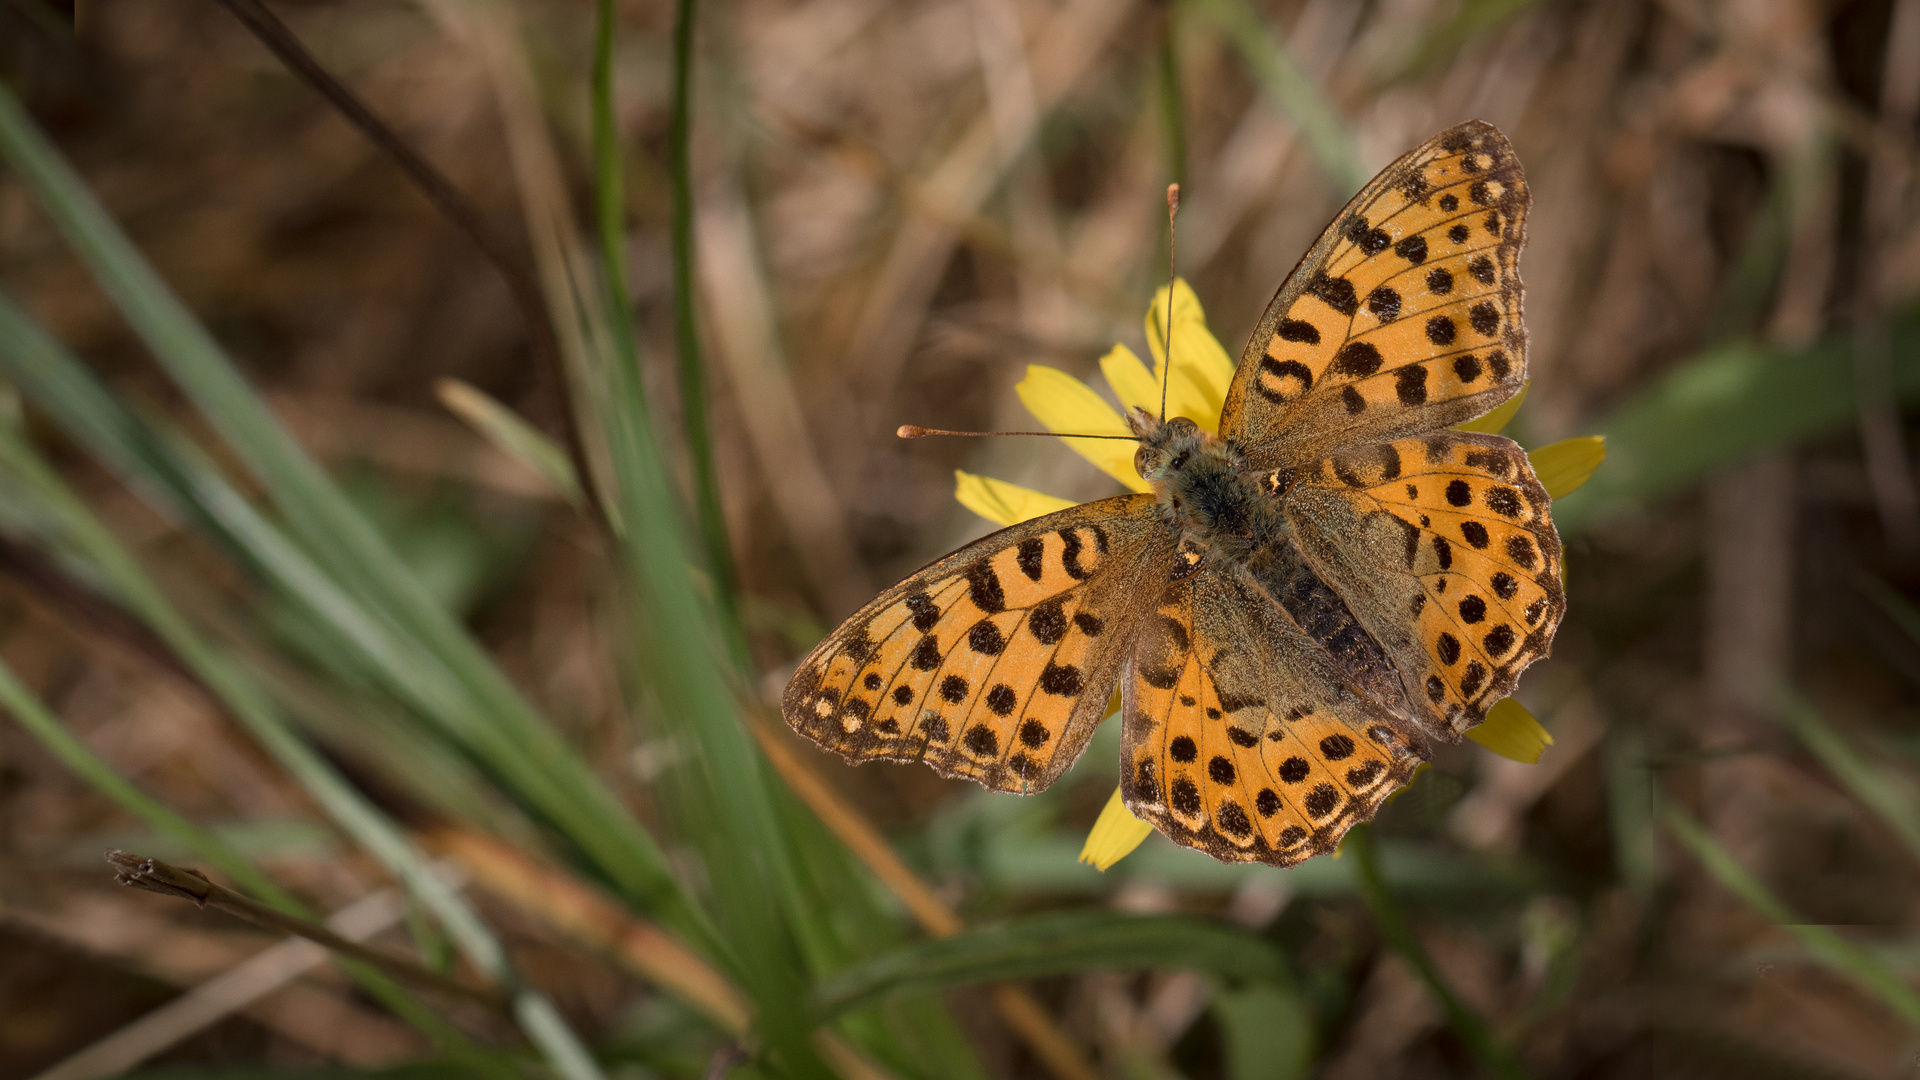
[1305, 604]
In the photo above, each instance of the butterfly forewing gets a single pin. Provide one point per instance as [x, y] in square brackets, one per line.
[1443, 547]
[996, 662]
[1239, 738]
[1404, 317]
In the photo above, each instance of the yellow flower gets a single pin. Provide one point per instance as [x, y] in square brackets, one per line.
[1197, 389]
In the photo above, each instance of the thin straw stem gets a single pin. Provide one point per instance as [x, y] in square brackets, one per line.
[441, 193]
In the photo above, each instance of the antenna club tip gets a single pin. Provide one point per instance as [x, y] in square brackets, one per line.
[910, 431]
[1173, 197]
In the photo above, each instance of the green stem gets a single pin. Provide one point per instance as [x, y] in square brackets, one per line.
[609, 202]
[686, 332]
[1398, 934]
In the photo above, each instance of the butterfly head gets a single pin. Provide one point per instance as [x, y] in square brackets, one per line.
[1170, 448]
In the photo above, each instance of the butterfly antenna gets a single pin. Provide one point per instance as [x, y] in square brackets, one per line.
[1166, 347]
[915, 431]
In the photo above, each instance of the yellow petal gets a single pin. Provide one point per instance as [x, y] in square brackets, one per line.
[1563, 466]
[1003, 503]
[1114, 836]
[1197, 387]
[1496, 421]
[1511, 731]
[1063, 403]
[1133, 383]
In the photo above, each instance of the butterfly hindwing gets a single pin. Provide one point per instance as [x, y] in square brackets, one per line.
[1239, 737]
[996, 662]
[1404, 317]
[1444, 548]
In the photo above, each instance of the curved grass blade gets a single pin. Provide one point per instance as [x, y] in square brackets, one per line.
[341, 543]
[1467, 1024]
[30, 713]
[1728, 403]
[79, 531]
[1273, 65]
[1829, 948]
[1055, 945]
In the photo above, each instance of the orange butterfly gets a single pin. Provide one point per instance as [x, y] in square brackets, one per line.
[1305, 603]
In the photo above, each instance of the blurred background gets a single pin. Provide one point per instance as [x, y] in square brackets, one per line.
[892, 209]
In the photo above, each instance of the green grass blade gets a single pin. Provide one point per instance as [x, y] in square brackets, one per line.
[1633, 808]
[686, 327]
[1399, 936]
[40, 722]
[1885, 792]
[1724, 405]
[339, 539]
[609, 198]
[1897, 607]
[724, 796]
[1291, 89]
[1830, 949]
[1267, 1031]
[1055, 944]
[244, 699]
[515, 437]
[193, 488]
[1468, 21]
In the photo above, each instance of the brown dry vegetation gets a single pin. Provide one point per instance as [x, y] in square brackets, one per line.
[899, 207]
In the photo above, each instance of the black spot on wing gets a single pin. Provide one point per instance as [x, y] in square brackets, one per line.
[1061, 680]
[1184, 797]
[926, 655]
[1410, 385]
[986, 639]
[982, 741]
[1031, 557]
[1336, 293]
[983, 588]
[1384, 303]
[926, 613]
[1048, 623]
[1002, 699]
[1233, 820]
[1297, 330]
[1356, 359]
[1485, 319]
[1070, 554]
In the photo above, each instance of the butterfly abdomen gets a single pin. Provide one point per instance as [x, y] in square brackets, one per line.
[1319, 611]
